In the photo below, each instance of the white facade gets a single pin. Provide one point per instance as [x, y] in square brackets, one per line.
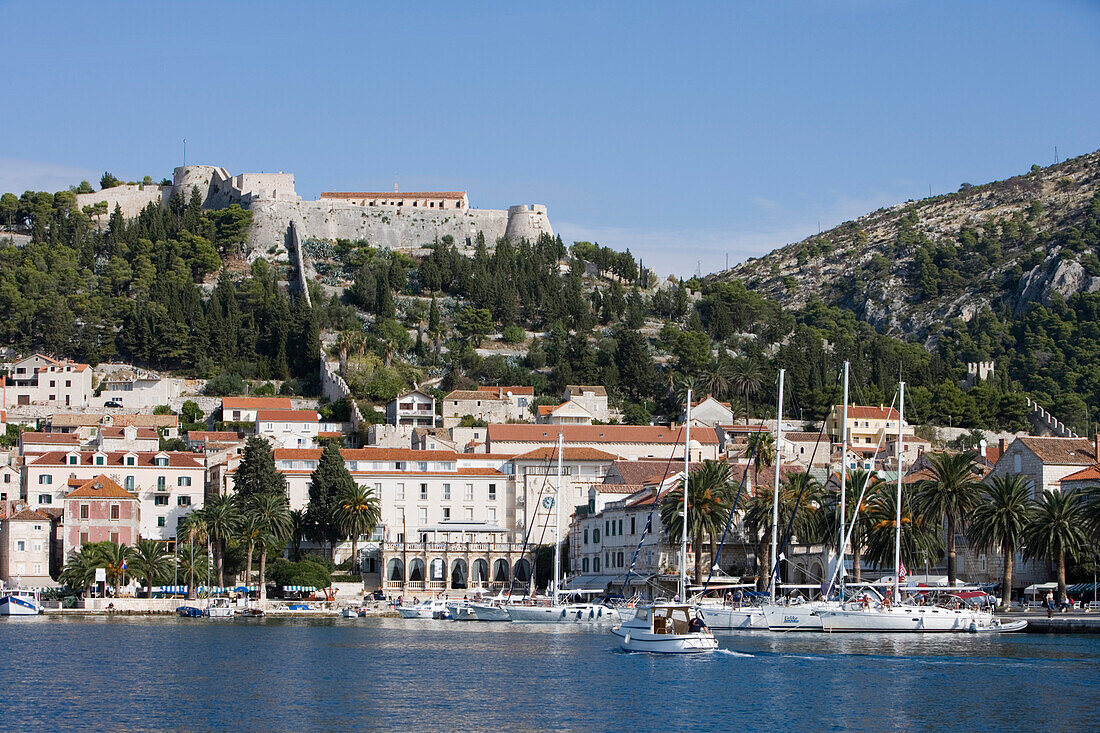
[135, 389]
[414, 409]
[40, 380]
[710, 412]
[169, 485]
[591, 397]
[288, 428]
[630, 442]
[244, 409]
[25, 549]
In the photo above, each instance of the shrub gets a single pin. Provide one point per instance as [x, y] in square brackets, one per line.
[513, 335]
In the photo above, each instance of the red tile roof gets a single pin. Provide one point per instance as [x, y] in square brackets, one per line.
[1062, 451]
[471, 394]
[578, 390]
[1092, 473]
[579, 453]
[287, 416]
[597, 434]
[176, 459]
[148, 421]
[51, 438]
[256, 403]
[214, 435]
[142, 433]
[100, 487]
[29, 514]
[514, 389]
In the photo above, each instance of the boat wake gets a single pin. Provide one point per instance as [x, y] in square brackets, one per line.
[732, 653]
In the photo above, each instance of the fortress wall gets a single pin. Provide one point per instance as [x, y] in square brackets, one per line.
[382, 226]
[528, 221]
[132, 198]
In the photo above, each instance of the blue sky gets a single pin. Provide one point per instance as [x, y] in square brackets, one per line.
[682, 131]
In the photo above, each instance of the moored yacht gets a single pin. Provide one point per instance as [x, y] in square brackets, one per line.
[19, 603]
[904, 618]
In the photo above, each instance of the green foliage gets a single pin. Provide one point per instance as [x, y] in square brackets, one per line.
[329, 482]
[190, 412]
[108, 181]
[225, 384]
[469, 421]
[309, 573]
[513, 335]
[256, 475]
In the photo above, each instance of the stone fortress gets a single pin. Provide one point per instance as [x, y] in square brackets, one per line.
[385, 219]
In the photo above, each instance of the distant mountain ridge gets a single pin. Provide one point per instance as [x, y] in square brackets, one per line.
[910, 268]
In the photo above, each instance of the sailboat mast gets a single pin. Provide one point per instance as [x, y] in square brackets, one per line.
[684, 484]
[897, 519]
[775, 483]
[557, 525]
[843, 518]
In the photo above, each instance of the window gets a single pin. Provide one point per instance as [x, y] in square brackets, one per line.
[596, 535]
[73, 460]
[424, 492]
[115, 538]
[115, 511]
[162, 460]
[45, 498]
[100, 460]
[447, 491]
[446, 513]
[129, 483]
[584, 562]
[183, 501]
[45, 478]
[160, 501]
[632, 519]
[162, 483]
[160, 521]
[493, 492]
[183, 481]
[1017, 463]
[469, 492]
[84, 538]
[619, 530]
[619, 557]
[400, 491]
[469, 514]
[20, 545]
[595, 564]
[84, 511]
[586, 532]
[492, 514]
[422, 516]
[131, 461]
[607, 527]
[422, 466]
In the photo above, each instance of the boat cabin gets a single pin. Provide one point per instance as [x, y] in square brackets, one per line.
[668, 619]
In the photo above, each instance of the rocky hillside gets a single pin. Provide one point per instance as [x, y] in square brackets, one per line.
[910, 268]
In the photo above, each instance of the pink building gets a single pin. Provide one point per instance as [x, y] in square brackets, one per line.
[100, 510]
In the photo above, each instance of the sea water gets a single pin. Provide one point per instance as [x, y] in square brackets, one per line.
[388, 674]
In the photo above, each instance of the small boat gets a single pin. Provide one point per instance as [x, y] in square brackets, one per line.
[664, 628]
[20, 603]
[564, 613]
[251, 612]
[1000, 627]
[349, 612]
[219, 608]
[189, 612]
[460, 611]
[430, 608]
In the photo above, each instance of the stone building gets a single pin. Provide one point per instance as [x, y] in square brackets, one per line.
[99, 510]
[25, 544]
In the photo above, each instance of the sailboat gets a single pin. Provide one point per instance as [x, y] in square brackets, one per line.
[558, 611]
[669, 628]
[888, 614]
[802, 616]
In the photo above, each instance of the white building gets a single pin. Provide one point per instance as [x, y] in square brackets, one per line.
[25, 541]
[592, 398]
[135, 389]
[537, 486]
[570, 412]
[710, 412]
[168, 484]
[288, 428]
[127, 438]
[415, 409]
[243, 409]
[626, 441]
[41, 380]
[491, 404]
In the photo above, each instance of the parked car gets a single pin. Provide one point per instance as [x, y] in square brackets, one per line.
[112, 403]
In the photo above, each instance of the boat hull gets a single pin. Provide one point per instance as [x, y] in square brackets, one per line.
[642, 640]
[487, 612]
[803, 617]
[727, 618]
[568, 614]
[915, 619]
[219, 612]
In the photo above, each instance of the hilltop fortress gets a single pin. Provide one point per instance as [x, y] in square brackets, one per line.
[384, 219]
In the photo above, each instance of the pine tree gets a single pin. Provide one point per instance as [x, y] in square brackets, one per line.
[257, 474]
[328, 483]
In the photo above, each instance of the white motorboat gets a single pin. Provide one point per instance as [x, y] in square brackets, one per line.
[429, 608]
[567, 613]
[349, 612]
[494, 610]
[905, 618]
[460, 611]
[664, 628]
[219, 608]
[19, 603]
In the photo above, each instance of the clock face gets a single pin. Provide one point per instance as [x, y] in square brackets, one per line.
[548, 502]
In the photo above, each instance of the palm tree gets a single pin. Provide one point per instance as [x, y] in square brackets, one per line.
[806, 521]
[297, 532]
[250, 531]
[221, 517]
[113, 558]
[999, 522]
[761, 445]
[192, 560]
[951, 494]
[357, 513]
[1057, 530]
[273, 515]
[79, 570]
[151, 562]
[710, 499]
[857, 540]
[717, 377]
[191, 530]
[747, 379]
[920, 536]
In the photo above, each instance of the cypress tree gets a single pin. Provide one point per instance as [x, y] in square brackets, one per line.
[328, 483]
[257, 474]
